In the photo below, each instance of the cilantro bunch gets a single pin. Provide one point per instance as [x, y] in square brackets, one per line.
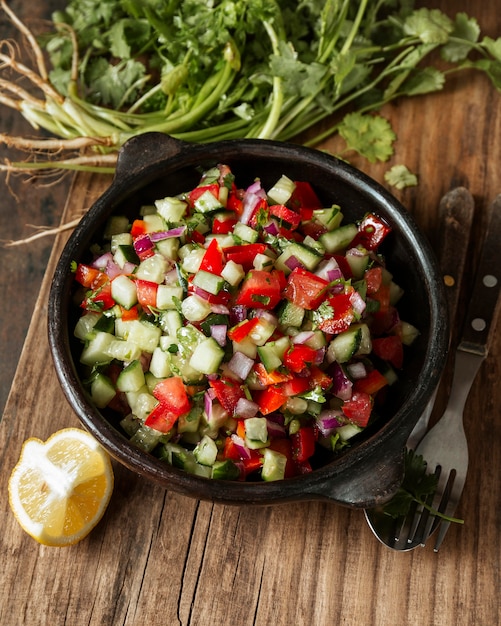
[204, 71]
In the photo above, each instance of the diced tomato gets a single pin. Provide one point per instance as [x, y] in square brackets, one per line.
[234, 203]
[259, 214]
[260, 289]
[270, 378]
[90, 277]
[305, 289]
[103, 297]
[382, 295]
[342, 316]
[199, 191]
[303, 444]
[171, 392]
[146, 294]
[298, 357]
[372, 383]
[270, 399]
[296, 386]
[319, 378]
[374, 279]
[223, 227]
[244, 255]
[212, 261]
[372, 230]
[358, 409]
[230, 450]
[228, 392]
[138, 228]
[344, 266]
[161, 418]
[253, 464]
[195, 237]
[390, 349]
[303, 468]
[242, 329]
[285, 214]
[312, 227]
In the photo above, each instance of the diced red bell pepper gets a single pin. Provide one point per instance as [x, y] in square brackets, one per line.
[319, 378]
[230, 450]
[305, 289]
[374, 279]
[195, 237]
[146, 294]
[342, 317]
[296, 386]
[285, 214]
[171, 392]
[102, 298]
[234, 203]
[358, 409]
[242, 329]
[303, 444]
[128, 315]
[389, 349]
[138, 228]
[372, 230]
[270, 399]
[212, 260]
[223, 227]
[344, 266]
[260, 289]
[372, 383]
[253, 464]
[228, 392]
[304, 197]
[298, 357]
[90, 277]
[244, 255]
[270, 378]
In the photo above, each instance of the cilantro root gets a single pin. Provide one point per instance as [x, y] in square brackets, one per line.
[227, 70]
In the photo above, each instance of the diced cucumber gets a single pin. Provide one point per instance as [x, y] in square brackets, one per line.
[291, 315]
[131, 378]
[123, 291]
[331, 218]
[205, 452]
[191, 258]
[120, 239]
[272, 353]
[408, 333]
[207, 203]
[154, 222]
[96, 351]
[225, 470]
[170, 322]
[141, 402]
[233, 273]
[195, 309]
[125, 253]
[168, 248]
[347, 431]
[207, 356]
[273, 465]
[313, 244]
[245, 233]
[115, 225]
[189, 422]
[345, 345]
[123, 350]
[153, 268]
[298, 253]
[167, 295]
[102, 390]
[256, 431]
[262, 331]
[142, 333]
[146, 438]
[212, 283]
[358, 260]
[85, 325]
[246, 346]
[160, 364]
[339, 239]
[396, 292]
[171, 209]
[317, 341]
[282, 190]
[263, 262]
[130, 423]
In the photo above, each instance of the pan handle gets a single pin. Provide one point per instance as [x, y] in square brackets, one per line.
[142, 151]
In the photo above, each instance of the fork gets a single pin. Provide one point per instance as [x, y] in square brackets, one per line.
[445, 448]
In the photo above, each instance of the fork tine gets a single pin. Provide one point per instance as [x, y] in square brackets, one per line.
[449, 510]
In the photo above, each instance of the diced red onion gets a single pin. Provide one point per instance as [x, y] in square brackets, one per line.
[319, 356]
[292, 262]
[143, 243]
[303, 337]
[221, 309]
[208, 399]
[238, 313]
[271, 228]
[250, 202]
[256, 188]
[275, 429]
[335, 274]
[341, 384]
[264, 314]
[357, 370]
[218, 332]
[241, 365]
[242, 449]
[167, 234]
[357, 302]
[329, 270]
[246, 408]
[171, 277]
[113, 269]
[327, 421]
[201, 293]
[102, 261]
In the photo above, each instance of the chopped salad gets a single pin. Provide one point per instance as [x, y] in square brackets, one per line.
[241, 333]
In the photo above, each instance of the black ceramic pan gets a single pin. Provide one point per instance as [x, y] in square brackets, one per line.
[154, 165]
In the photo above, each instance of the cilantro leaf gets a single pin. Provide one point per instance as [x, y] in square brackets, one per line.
[430, 25]
[400, 177]
[465, 34]
[370, 135]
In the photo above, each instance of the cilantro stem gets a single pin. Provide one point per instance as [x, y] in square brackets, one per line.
[277, 96]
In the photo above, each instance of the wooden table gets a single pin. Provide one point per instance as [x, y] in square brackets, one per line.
[160, 558]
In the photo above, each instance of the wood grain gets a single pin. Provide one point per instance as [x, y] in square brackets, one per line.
[161, 558]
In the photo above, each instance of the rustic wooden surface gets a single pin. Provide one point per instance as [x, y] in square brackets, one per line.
[159, 558]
